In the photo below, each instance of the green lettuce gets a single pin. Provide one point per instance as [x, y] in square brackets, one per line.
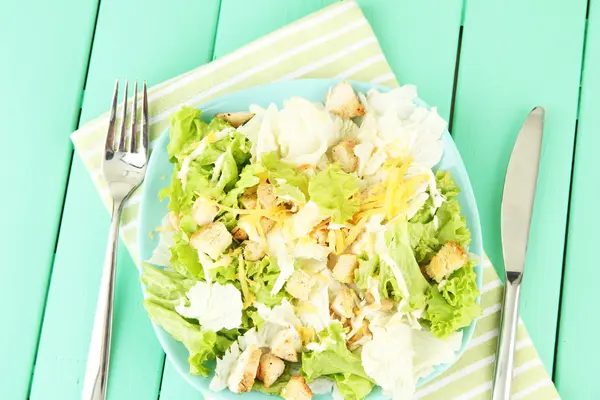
[287, 180]
[248, 179]
[454, 306]
[332, 190]
[184, 259]
[277, 387]
[202, 345]
[184, 129]
[367, 268]
[353, 387]
[336, 361]
[281, 171]
[261, 276]
[398, 242]
[427, 235]
[165, 288]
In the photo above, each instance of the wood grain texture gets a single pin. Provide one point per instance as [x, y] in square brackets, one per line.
[578, 348]
[517, 55]
[44, 54]
[122, 47]
[420, 45]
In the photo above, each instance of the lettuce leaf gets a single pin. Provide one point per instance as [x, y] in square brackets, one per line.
[332, 190]
[163, 287]
[248, 178]
[184, 129]
[277, 387]
[335, 359]
[184, 259]
[261, 276]
[278, 169]
[429, 232]
[367, 267]
[353, 387]
[398, 243]
[454, 305]
[202, 345]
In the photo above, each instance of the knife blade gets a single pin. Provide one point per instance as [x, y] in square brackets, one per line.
[517, 207]
[519, 192]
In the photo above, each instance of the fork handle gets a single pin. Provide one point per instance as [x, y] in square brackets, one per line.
[96, 373]
[506, 342]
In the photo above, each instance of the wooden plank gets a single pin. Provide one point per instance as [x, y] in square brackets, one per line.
[168, 40]
[578, 347]
[45, 49]
[420, 44]
[439, 32]
[517, 55]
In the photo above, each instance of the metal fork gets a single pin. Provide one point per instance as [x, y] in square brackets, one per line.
[123, 167]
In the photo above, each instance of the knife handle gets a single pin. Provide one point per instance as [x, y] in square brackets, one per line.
[506, 342]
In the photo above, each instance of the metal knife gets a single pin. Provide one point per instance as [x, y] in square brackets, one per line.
[517, 207]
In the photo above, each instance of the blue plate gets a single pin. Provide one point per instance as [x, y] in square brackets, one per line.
[152, 210]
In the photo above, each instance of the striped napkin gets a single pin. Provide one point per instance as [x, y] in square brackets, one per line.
[334, 42]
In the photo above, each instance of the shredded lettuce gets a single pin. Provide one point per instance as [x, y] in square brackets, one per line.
[332, 190]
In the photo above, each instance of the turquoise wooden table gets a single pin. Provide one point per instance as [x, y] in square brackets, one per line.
[484, 63]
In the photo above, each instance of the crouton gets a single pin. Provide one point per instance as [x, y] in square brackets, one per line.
[270, 369]
[213, 239]
[386, 305]
[362, 334]
[343, 153]
[344, 302]
[239, 234]
[236, 119]
[321, 236]
[344, 268]
[450, 258]
[300, 284]
[248, 201]
[307, 334]
[332, 260]
[243, 372]
[266, 224]
[253, 251]
[296, 389]
[283, 346]
[204, 211]
[342, 100]
[265, 195]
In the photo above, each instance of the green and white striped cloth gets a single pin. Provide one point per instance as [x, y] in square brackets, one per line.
[334, 42]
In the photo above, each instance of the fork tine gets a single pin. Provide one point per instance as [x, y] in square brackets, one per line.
[110, 135]
[132, 130]
[123, 133]
[145, 120]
